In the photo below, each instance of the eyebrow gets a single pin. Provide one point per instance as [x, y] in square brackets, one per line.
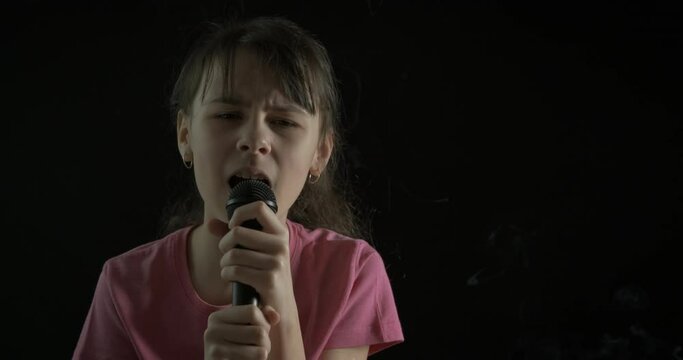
[232, 100]
[236, 101]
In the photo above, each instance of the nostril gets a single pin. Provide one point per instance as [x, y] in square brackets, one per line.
[253, 144]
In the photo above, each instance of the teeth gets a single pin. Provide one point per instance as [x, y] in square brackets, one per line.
[252, 177]
[237, 178]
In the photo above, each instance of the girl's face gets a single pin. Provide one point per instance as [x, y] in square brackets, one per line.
[254, 132]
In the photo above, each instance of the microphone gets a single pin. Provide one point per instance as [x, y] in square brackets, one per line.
[245, 192]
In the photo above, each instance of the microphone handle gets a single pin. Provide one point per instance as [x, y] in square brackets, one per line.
[243, 294]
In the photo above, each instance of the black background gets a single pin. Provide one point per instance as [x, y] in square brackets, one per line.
[522, 161]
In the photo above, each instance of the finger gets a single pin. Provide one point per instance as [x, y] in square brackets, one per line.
[250, 258]
[272, 316]
[238, 314]
[258, 279]
[255, 240]
[255, 335]
[261, 212]
[235, 351]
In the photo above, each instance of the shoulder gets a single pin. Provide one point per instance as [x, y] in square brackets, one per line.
[343, 290]
[142, 259]
[331, 250]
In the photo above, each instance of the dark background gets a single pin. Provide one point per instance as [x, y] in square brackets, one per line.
[521, 163]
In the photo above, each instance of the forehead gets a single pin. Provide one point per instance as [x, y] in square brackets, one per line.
[242, 75]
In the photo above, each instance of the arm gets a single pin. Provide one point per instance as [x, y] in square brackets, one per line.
[286, 336]
[103, 335]
[369, 316]
[356, 353]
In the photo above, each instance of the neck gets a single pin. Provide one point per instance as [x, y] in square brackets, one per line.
[203, 262]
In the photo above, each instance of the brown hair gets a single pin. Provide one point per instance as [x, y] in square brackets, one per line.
[305, 72]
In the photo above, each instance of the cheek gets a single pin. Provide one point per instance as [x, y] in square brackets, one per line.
[210, 146]
[207, 180]
[288, 192]
[208, 171]
[299, 162]
[296, 173]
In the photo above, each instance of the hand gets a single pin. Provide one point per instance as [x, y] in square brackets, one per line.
[239, 332]
[262, 262]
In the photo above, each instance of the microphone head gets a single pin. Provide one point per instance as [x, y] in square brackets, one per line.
[248, 191]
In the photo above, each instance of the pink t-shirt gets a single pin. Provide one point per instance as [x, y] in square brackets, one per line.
[145, 306]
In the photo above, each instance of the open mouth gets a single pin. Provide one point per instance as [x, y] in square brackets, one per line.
[236, 179]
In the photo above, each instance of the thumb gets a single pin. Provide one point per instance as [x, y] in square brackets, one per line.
[272, 316]
[217, 227]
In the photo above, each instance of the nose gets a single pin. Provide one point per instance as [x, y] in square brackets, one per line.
[254, 138]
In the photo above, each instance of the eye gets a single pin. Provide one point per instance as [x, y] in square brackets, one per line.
[282, 122]
[229, 115]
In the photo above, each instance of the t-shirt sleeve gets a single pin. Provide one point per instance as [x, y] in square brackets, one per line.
[104, 335]
[369, 316]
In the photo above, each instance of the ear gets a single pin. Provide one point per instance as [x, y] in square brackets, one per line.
[183, 135]
[322, 154]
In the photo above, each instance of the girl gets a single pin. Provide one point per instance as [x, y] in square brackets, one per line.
[254, 100]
